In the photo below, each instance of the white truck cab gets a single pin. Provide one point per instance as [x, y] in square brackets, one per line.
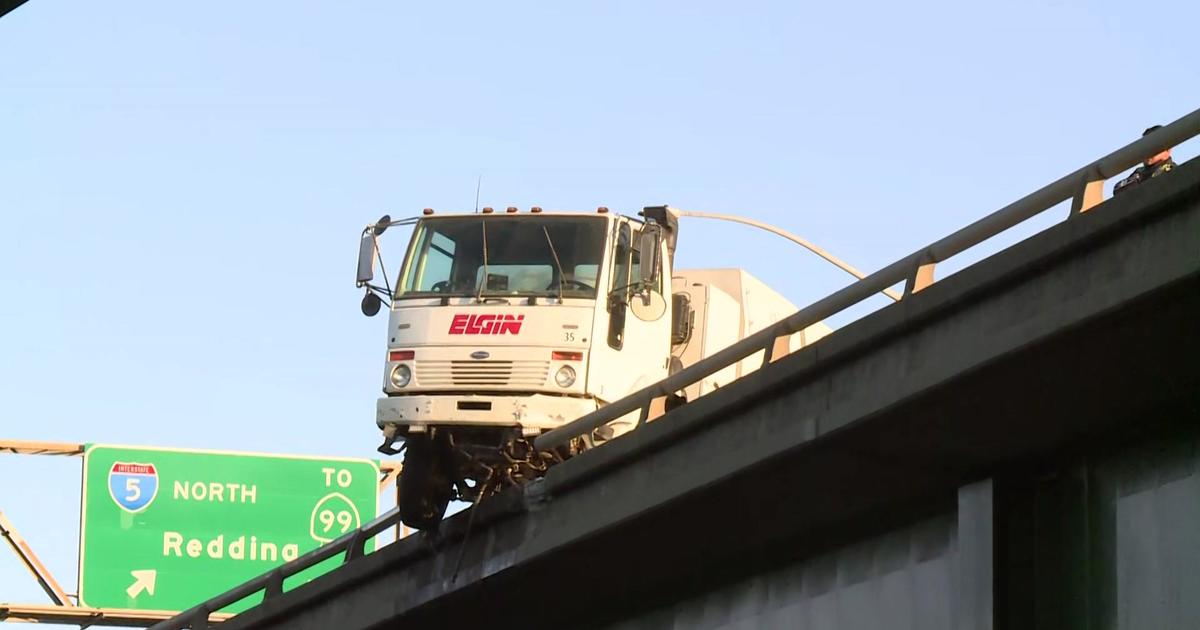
[502, 326]
[530, 330]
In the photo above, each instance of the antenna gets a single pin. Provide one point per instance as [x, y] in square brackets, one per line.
[478, 184]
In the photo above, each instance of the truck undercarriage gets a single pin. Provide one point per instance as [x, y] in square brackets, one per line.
[455, 462]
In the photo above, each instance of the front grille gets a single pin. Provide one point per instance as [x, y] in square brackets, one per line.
[486, 373]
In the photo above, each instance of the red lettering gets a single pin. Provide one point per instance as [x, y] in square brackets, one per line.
[136, 469]
[487, 324]
[510, 325]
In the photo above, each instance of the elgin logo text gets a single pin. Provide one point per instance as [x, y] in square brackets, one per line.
[464, 324]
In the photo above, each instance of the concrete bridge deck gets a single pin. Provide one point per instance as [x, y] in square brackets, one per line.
[936, 421]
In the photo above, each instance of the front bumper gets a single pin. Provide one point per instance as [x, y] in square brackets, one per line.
[533, 413]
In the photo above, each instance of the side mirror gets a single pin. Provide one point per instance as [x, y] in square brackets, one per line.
[650, 307]
[648, 248]
[370, 304]
[367, 250]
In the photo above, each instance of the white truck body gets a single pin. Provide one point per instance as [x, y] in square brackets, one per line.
[730, 305]
[504, 326]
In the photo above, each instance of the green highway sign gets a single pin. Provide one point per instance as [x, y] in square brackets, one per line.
[166, 529]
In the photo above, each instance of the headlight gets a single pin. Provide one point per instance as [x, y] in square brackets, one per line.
[401, 375]
[565, 376]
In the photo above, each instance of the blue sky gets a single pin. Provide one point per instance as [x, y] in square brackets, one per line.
[182, 184]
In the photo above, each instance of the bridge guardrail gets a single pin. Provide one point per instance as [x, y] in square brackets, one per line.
[1085, 187]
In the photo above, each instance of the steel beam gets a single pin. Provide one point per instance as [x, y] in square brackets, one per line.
[27, 447]
[28, 558]
[85, 617]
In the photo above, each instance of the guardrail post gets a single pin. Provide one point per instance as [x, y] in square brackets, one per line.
[274, 586]
[1089, 193]
[779, 348]
[199, 621]
[356, 547]
[657, 408]
[654, 407]
[922, 275]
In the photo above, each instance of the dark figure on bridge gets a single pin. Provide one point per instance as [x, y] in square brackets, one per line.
[1153, 167]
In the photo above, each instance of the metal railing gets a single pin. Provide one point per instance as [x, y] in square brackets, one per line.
[353, 545]
[1085, 187]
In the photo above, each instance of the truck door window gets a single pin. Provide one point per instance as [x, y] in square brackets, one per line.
[619, 291]
[438, 262]
[620, 277]
[434, 262]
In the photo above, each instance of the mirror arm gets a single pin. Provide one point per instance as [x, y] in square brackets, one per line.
[382, 267]
[628, 291]
[378, 290]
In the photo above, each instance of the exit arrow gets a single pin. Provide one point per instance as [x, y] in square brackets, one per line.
[142, 581]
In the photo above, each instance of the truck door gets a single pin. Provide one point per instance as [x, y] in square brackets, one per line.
[630, 353]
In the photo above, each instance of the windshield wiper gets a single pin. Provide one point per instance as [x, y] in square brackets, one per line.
[557, 264]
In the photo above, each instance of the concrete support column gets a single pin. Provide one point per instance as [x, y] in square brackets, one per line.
[974, 567]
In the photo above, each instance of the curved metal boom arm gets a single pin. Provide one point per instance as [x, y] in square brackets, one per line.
[789, 236]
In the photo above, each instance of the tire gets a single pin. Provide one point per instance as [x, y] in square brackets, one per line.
[424, 487]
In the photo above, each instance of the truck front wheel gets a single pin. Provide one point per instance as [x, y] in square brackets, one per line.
[425, 488]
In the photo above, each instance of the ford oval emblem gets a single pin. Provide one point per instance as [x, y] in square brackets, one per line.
[479, 354]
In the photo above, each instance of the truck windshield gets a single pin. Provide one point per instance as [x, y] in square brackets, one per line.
[447, 256]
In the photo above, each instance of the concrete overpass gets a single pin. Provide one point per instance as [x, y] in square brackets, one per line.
[7, 6]
[1016, 445]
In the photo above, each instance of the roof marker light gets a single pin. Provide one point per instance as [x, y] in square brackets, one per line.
[427, 211]
[511, 209]
[602, 210]
[487, 210]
